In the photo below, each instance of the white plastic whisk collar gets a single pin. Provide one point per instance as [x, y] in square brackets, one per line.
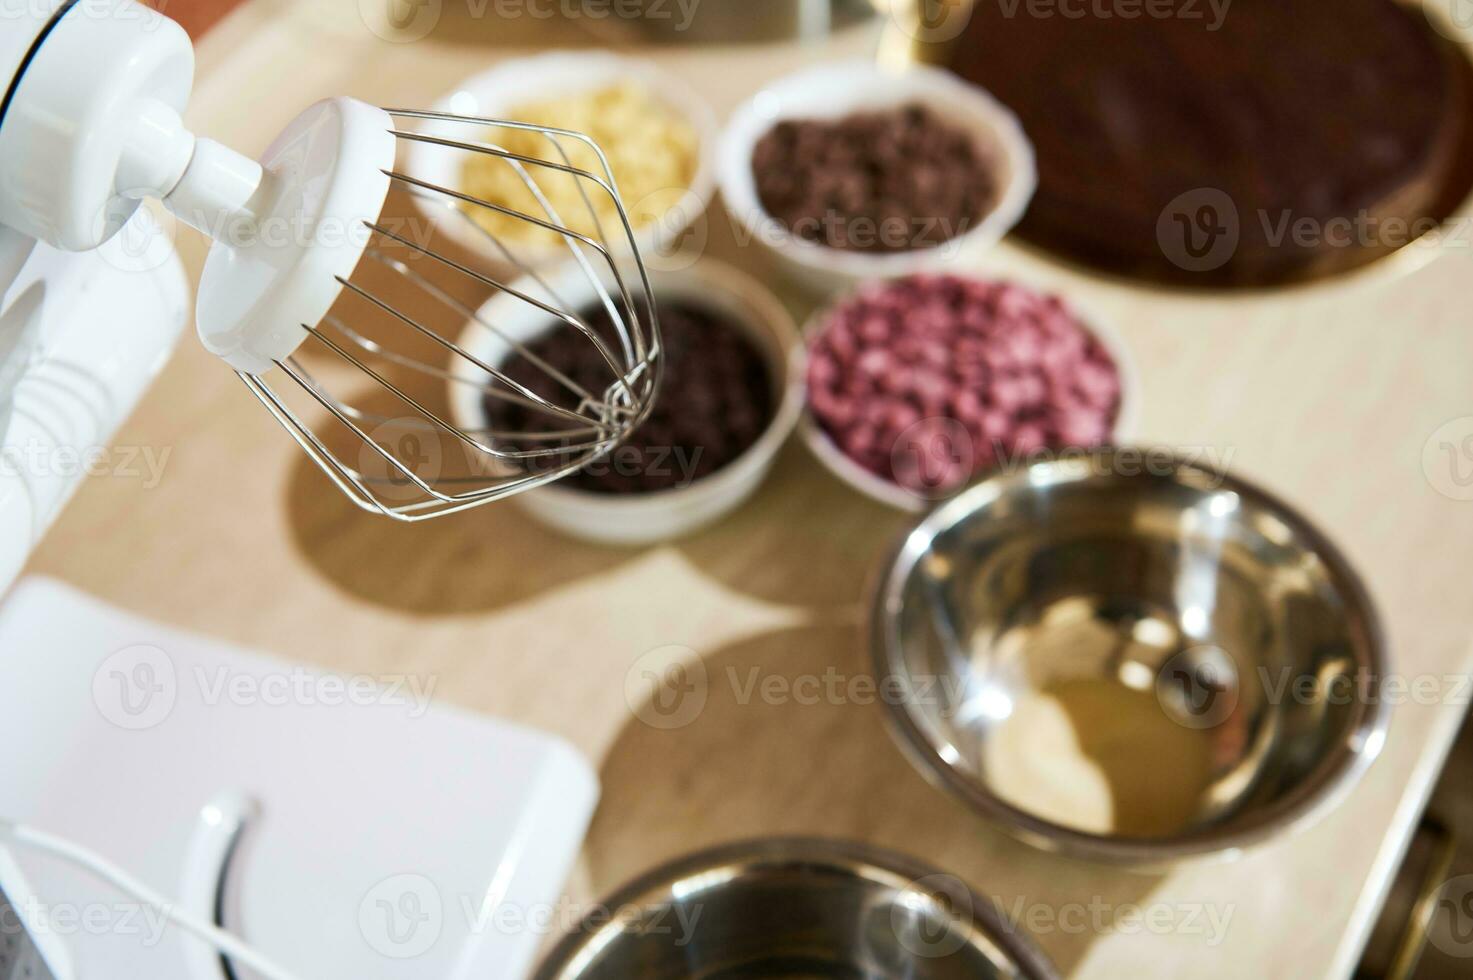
[284, 245]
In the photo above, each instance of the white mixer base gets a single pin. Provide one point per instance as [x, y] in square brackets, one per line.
[382, 834]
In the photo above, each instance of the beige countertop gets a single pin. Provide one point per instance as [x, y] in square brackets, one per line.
[1326, 396]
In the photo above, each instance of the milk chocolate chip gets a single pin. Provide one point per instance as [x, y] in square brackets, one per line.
[888, 181]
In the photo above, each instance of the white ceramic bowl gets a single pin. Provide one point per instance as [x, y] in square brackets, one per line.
[893, 494]
[644, 518]
[494, 93]
[838, 89]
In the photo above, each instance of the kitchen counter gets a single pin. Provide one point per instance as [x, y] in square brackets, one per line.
[1328, 396]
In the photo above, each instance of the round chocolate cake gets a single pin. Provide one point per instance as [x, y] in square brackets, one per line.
[1242, 143]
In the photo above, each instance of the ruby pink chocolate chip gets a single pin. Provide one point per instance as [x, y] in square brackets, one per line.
[1078, 428]
[823, 371]
[1016, 369]
[1099, 383]
[931, 386]
[1032, 390]
[873, 362]
[1006, 394]
[874, 329]
[902, 416]
[967, 405]
[1029, 437]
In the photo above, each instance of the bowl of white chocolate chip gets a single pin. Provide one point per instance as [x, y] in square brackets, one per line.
[649, 137]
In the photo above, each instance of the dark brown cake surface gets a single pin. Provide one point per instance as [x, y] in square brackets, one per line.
[1263, 142]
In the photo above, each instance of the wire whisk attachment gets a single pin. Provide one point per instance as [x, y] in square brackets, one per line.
[381, 390]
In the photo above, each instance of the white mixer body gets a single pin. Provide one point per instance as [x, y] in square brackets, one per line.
[81, 337]
[92, 294]
[90, 119]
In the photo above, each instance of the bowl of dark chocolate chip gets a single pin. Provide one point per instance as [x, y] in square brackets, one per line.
[729, 396]
[851, 171]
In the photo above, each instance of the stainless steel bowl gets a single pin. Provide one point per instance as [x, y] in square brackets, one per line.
[1127, 657]
[795, 908]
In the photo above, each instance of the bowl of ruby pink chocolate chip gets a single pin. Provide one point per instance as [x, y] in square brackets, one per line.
[918, 386]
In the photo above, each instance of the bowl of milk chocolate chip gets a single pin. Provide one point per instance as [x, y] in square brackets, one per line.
[850, 171]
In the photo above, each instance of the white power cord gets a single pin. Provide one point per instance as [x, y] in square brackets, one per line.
[95, 864]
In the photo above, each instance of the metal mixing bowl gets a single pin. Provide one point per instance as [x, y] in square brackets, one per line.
[795, 908]
[1128, 657]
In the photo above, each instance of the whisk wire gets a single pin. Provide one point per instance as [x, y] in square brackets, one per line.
[609, 184]
[534, 400]
[583, 422]
[470, 315]
[570, 319]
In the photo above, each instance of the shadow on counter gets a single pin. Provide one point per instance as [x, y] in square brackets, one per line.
[803, 540]
[760, 755]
